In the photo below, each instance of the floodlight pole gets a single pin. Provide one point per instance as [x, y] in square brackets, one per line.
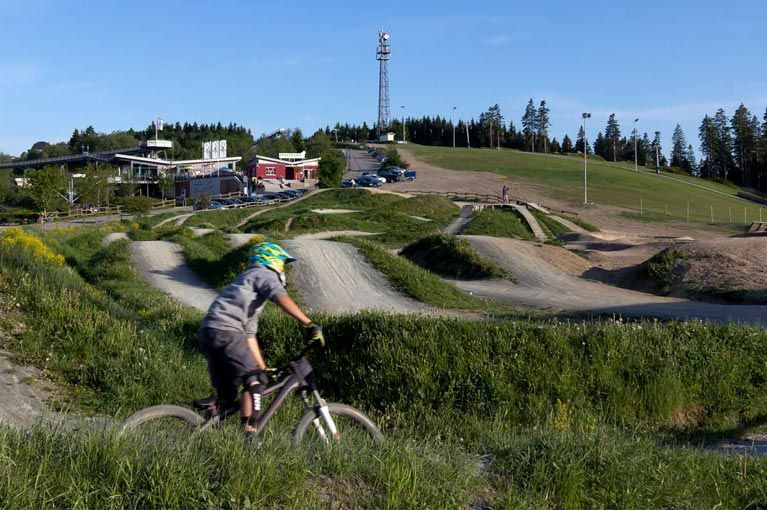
[657, 152]
[636, 157]
[453, 123]
[585, 164]
[403, 122]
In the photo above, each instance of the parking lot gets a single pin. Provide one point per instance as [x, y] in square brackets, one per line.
[265, 198]
[369, 170]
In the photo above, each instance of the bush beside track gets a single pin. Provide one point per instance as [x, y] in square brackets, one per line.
[449, 256]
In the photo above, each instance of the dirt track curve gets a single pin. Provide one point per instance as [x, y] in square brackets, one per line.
[543, 285]
[334, 277]
[162, 264]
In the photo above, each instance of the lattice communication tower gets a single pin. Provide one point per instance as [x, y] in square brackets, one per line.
[383, 53]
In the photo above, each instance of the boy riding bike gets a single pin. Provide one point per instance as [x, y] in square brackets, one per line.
[227, 335]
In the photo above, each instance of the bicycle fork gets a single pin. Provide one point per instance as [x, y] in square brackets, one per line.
[322, 414]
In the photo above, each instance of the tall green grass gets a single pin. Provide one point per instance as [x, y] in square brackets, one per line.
[387, 214]
[421, 284]
[498, 222]
[449, 256]
[570, 414]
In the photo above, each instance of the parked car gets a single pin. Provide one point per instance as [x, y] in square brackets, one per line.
[214, 204]
[409, 175]
[390, 174]
[374, 175]
[270, 196]
[348, 183]
[293, 193]
[369, 181]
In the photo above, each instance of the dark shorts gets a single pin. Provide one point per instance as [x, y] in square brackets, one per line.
[229, 358]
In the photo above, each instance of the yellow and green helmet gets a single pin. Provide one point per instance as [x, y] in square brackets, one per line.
[270, 255]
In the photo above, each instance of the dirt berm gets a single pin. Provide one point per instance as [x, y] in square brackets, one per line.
[335, 277]
[546, 280]
[731, 269]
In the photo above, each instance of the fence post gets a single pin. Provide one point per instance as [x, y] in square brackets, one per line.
[666, 209]
[760, 215]
[729, 210]
[688, 211]
[745, 216]
[712, 213]
[641, 205]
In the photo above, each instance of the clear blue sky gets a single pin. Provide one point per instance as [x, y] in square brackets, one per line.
[67, 64]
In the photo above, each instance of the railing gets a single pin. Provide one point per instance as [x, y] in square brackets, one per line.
[81, 213]
[462, 196]
[468, 196]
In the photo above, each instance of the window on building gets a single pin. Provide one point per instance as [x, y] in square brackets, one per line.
[270, 170]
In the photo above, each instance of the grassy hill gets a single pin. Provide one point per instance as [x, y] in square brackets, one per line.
[615, 184]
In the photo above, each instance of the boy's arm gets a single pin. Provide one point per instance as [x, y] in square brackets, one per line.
[291, 308]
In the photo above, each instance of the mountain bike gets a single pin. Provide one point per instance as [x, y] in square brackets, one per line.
[327, 422]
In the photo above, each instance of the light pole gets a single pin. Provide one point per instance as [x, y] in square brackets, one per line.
[657, 152]
[335, 131]
[636, 158]
[585, 151]
[451, 121]
[403, 122]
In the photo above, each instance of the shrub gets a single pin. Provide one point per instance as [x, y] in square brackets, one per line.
[452, 257]
[137, 205]
[16, 237]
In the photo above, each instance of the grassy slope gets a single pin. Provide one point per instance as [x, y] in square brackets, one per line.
[388, 214]
[609, 183]
[449, 256]
[498, 223]
[569, 413]
[420, 284]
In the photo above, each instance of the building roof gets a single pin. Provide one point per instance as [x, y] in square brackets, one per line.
[266, 159]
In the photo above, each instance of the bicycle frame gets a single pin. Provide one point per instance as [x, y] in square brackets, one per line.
[294, 382]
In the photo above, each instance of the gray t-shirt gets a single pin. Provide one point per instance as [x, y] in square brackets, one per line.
[238, 306]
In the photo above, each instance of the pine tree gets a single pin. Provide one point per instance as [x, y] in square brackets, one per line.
[679, 149]
[567, 145]
[690, 156]
[745, 129]
[613, 137]
[542, 125]
[707, 136]
[643, 147]
[529, 123]
[723, 162]
[600, 145]
[579, 143]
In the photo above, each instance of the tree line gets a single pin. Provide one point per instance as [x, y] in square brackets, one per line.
[732, 149]
[187, 141]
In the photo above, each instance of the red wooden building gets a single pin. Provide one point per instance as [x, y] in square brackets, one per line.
[289, 166]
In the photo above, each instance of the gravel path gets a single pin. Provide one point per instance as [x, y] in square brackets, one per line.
[457, 225]
[334, 277]
[543, 285]
[114, 236]
[162, 264]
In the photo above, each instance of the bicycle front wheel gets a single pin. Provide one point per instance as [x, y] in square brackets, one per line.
[350, 425]
[163, 423]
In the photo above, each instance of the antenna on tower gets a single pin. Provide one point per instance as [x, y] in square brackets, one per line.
[383, 53]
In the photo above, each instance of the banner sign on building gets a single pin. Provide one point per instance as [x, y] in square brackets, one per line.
[214, 150]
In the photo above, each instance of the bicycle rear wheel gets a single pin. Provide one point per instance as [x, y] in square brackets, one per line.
[351, 425]
[163, 423]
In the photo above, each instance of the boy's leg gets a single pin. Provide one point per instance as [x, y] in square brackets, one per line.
[252, 389]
